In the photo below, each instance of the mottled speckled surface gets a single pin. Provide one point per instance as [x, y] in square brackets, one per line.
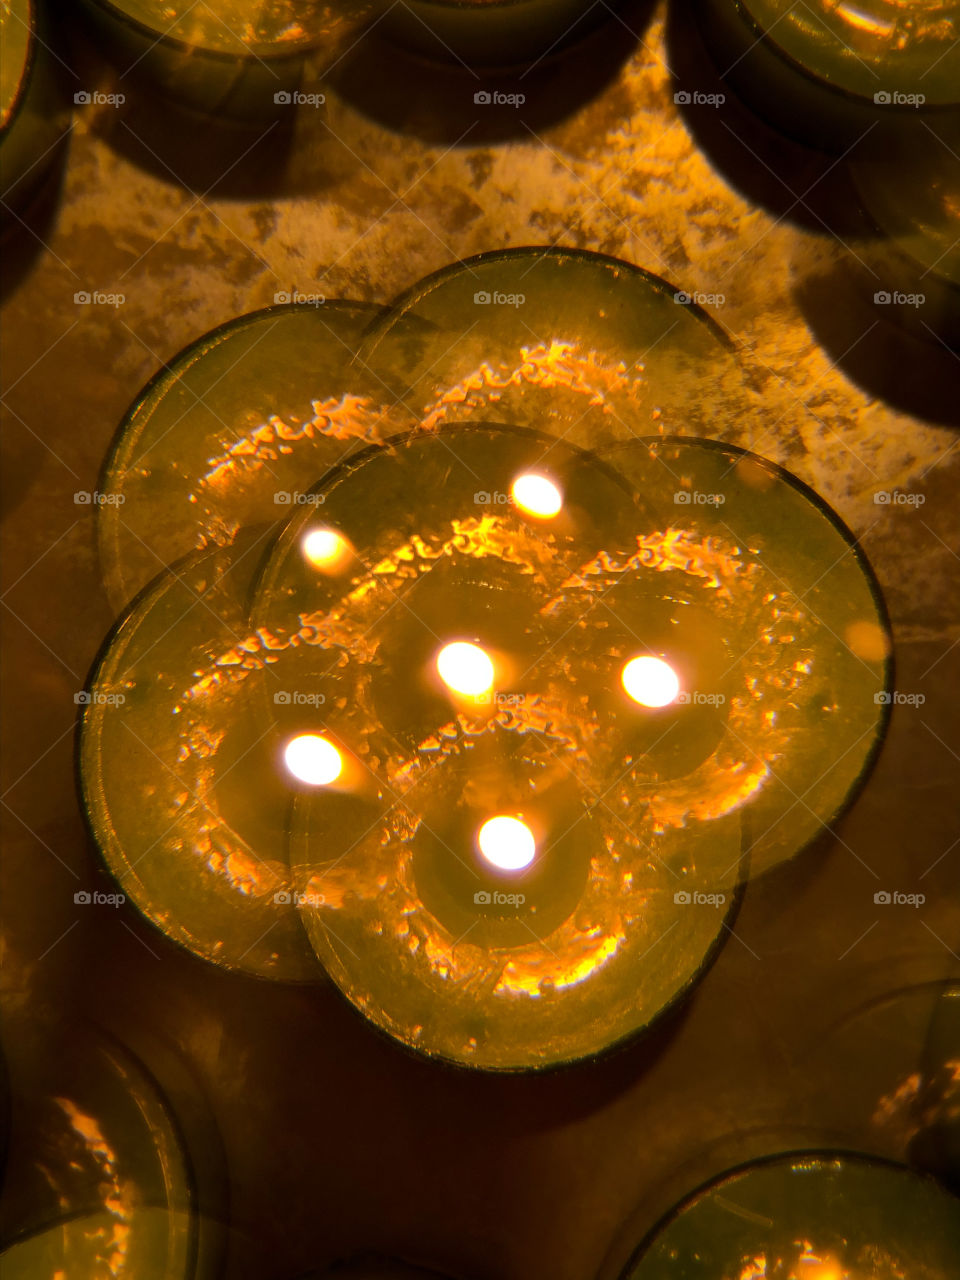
[335, 1138]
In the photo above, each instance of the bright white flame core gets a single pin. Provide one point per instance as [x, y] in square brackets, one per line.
[313, 759]
[324, 548]
[650, 681]
[465, 668]
[537, 495]
[507, 843]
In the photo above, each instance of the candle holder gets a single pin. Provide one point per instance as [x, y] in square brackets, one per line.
[578, 343]
[807, 1216]
[912, 195]
[242, 59]
[178, 778]
[621, 566]
[101, 1181]
[830, 74]
[808, 726]
[223, 438]
[886, 1074]
[33, 118]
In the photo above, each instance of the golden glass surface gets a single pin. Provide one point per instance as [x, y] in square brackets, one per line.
[563, 340]
[179, 779]
[807, 1216]
[233, 434]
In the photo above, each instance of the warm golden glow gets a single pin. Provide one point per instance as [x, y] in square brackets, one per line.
[325, 549]
[536, 495]
[465, 668]
[313, 760]
[650, 681]
[507, 843]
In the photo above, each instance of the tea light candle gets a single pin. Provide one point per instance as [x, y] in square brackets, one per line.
[578, 343]
[233, 58]
[100, 1179]
[828, 73]
[224, 437]
[807, 1216]
[561, 722]
[185, 792]
[33, 117]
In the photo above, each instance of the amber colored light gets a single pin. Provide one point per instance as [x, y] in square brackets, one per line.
[537, 496]
[313, 759]
[507, 843]
[465, 668]
[650, 681]
[325, 549]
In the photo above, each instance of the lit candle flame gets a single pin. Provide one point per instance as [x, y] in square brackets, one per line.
[325, 549]
[507, 843]
[537, 496]
[650, 681]
[465, 668]
[313, 759]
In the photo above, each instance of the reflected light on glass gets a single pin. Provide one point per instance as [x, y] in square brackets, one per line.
[465, 668]
[507, 843]
[650, 681]
[537, 496]
[313, 760]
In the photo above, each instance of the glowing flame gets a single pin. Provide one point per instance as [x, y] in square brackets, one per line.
[537, 496]
[507, 843]
[465, 668]
[650, 681]
[325, 549]
[313, 760]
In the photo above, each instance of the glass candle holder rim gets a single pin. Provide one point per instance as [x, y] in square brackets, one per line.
[95, 813]
[130, 428]
[594, 1058]
[259, 50]
[403, 301]
[933, 986]
[785, 476]
[26, 73]
[820, 1154]
[341, 471]
[760, 35]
